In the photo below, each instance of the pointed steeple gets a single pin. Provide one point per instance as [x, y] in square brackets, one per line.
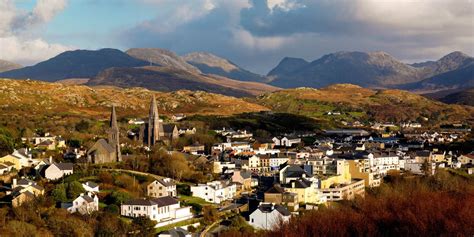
[114, 134]
[113, 118]
[155, 128]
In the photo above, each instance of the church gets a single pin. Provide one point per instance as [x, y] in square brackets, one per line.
[154, 131]
[107, 151]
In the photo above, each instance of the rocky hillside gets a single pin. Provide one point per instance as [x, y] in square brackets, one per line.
[212, 64]
[357, 103]
[170, 79]
[459, 78]
[162, 57]
[464, 97]
[375, 69]
[75, 64]
[50, 101]
[7, 66]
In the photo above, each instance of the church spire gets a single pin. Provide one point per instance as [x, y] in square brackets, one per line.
[155, 128]
[113, 118]
[114, 134]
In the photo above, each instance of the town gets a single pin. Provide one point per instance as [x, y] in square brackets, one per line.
[163, 175]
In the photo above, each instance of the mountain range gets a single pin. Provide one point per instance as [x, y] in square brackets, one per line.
[161, 69]
[374, 69]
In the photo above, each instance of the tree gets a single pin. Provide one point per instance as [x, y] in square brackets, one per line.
[74, 189]
[6, 142]
[82, 126]
[210, 214]
[59, 193]
[118, 197]
[143, 226]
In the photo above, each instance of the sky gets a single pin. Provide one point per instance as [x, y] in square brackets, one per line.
[255, 34]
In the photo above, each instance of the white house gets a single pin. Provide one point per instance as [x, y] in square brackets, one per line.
[162, 187]
[165, 210]
[90, 187]
[85, 204]
[215, 191]
[6, 167]
[58, 170]
[286, 141]
[267, 216]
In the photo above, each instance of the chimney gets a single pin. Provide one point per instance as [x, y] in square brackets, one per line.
[82, 194]
[14, 183]
[50, 159]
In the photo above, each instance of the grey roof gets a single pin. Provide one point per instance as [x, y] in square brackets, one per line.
[91, 184]
[245, 174]
[88, 198]
[282, 210]
[105, 145]
[25, 182]
[176, 232]
[168, 128]
[66, 205]
[275, 189]
[295, 171]
[64, 166]
[300, 183]
[166, 184]
[270, 207]
[161, 201]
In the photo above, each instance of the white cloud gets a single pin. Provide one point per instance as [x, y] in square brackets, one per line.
[19, 40]
[28, 51]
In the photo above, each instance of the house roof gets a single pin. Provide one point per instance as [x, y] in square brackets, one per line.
[45, 143]
[166, 182]
[295, 171]
[91, 184]
[105, 145]
[161, 201]
[25, 182]
[266, 207]
[275, 189]
[64, 166]
[176, 232]
[245, 174]
[168, 128]
[300, 183]
[88, 198]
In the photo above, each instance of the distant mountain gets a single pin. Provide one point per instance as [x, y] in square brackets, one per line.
[162, 57]
[375, 69]
[465, 97]
[212, 64]
[75, 64]
[453, 61]
[171, 79]
[7, 66]
[456, 79]
[287, 66]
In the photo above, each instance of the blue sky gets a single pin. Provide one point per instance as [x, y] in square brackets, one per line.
[255, 34]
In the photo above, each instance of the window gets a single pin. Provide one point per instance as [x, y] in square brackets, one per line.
[252, 220]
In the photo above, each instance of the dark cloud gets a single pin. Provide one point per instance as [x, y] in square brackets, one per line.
[257, 37]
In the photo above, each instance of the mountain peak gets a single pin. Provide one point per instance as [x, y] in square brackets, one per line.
[75, 64]
[162, 57]
[213, 64]
[210, 60]
[7, 66]
[456, 55]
